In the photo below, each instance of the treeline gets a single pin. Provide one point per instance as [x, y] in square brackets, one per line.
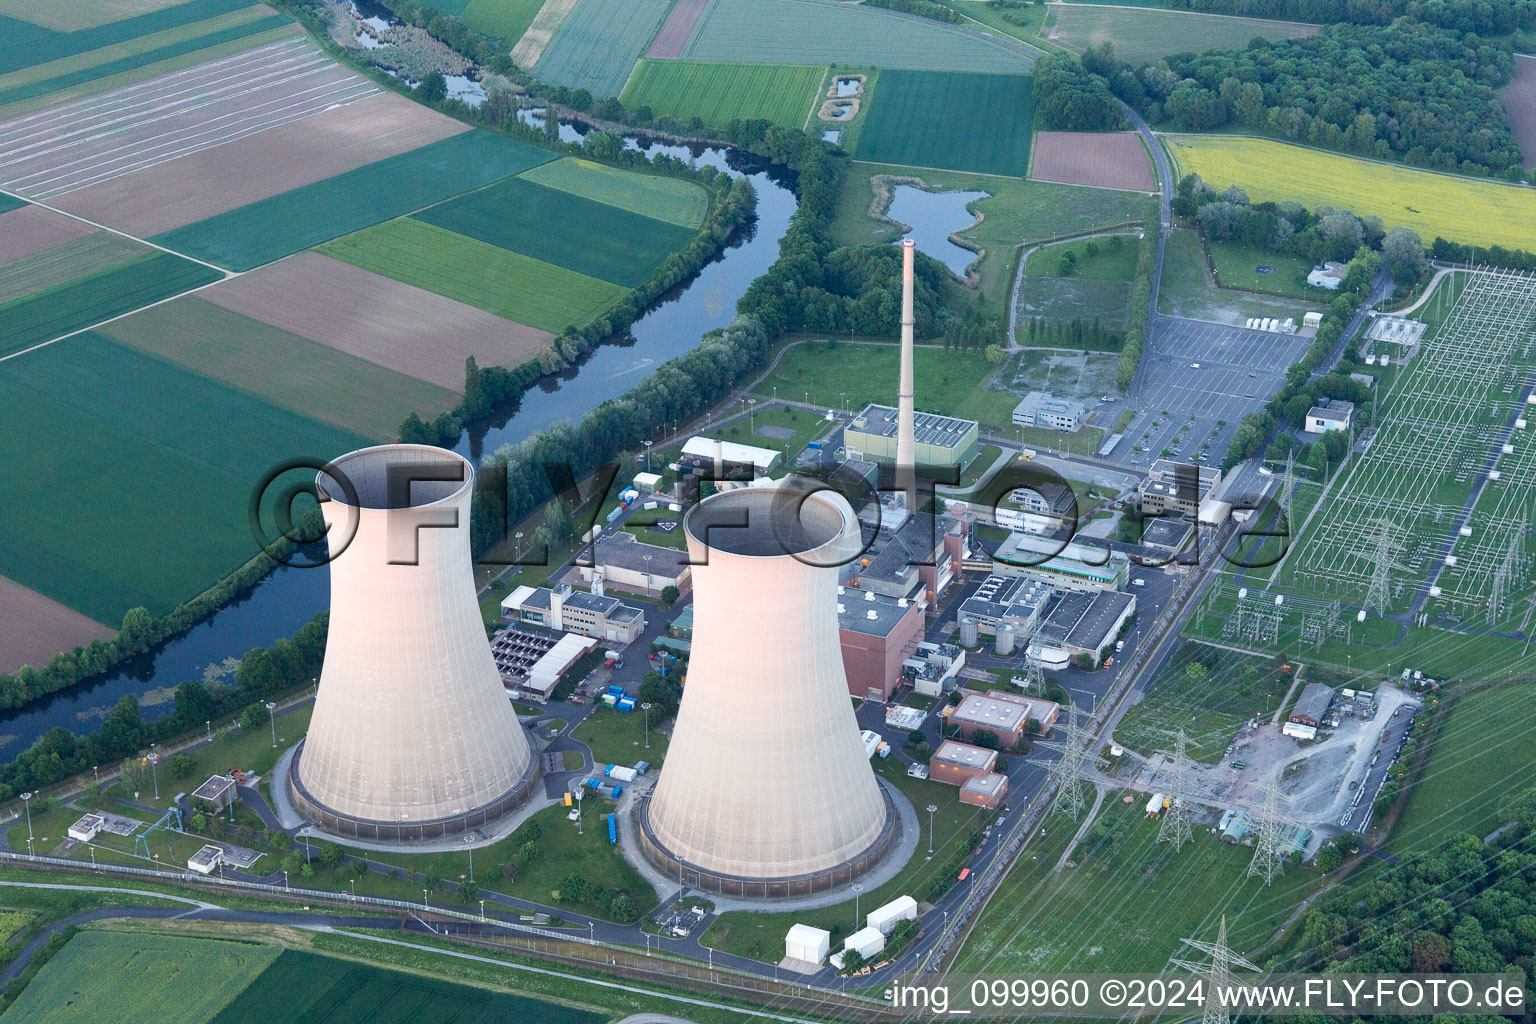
[922, 8]
[1410, 91]
[264, 673]
[1141, 298]
[685, 387]
[1466, 906]
[1078, 333]
[1070, 97]
[1485, 17]
[1493, 255]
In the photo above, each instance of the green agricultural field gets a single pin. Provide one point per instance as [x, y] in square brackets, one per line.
[1471, 210]
[1208, 692]
[808, 32]
[1187, 289]
[718, 93]
[170, 979]
[499, 280]
[597, 46]
[79, 14]
[558, 227]
[1144, 35]
[1480, 759]
[1110, 259]
[75, 305]
[303, 217]
[309, 378]
[244, 26]
[302, 987]
[24, 44]
[761, 935]
[1124, 901]
[67, 261]
[1016, 212]
[667, 199]
[148, 445]
[506, 20]
[959, 121]
[1237, 266]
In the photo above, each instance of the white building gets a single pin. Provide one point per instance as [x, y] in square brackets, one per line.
[84, 830]
[1330, 275]
[206, 860]
[807, 944]
[902, 908]
[1038, 409]
[1329, 414]
[574, 611]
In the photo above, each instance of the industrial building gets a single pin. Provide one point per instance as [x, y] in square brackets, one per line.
[805, 944]
[910, 556]
[620, 560]
[217, 794]
[985, 791]
[1310, 711]
[1329, 414]
[1046, 498]
[767, 791]
[1329, 275]
[574, 611]
[957, 763]
[412, 735]
[932, 666]
[1018, 602]
[714, 459]
[545, 674]
[938, 441]
[1005, 715]
[1069, 565]
[877, 635]
[1176, 487]
[1038, 409]
[1086, 625]
[206, 860]
[84, 830]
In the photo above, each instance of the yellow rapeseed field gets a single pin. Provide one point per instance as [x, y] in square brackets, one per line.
[1459, 209]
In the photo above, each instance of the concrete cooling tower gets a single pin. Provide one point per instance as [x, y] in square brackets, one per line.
[766, 790]
[413, 736]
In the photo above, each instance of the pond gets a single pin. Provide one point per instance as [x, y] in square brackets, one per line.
[933, 216]
[288, 598]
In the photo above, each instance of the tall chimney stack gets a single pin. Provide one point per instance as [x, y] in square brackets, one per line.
[906, 445]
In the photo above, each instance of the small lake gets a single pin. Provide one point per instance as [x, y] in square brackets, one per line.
[933, 216]
[465, 89]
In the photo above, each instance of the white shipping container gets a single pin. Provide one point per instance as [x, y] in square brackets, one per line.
[622, 773]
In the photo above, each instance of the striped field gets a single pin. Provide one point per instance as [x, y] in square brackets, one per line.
[670, 199]
[718, 93]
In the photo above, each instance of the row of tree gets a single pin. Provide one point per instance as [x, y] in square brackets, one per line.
[1486, 17]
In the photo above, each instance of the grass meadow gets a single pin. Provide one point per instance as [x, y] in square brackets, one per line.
[478, 273]
[672, 200]
[1468, 210]
[1237, 266]
[954, 120]
[506, 20]
[151, 448]
[301, 375]
[300, 218]
[596, 48]
[718, 93]
[562, 228]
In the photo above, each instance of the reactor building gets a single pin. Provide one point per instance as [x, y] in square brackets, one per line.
[413, 736]
[767, 791]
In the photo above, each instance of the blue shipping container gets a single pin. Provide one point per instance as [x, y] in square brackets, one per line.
[613, 828]
[615, 513]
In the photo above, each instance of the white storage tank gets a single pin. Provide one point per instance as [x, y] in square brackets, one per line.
[1003, 646]
[970, 634]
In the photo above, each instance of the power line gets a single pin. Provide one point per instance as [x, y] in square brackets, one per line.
[1384, 552]
[1218, 973]
[1274, 832]
[1068, 770]
[1175, 827]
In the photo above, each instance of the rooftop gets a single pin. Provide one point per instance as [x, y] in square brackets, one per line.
[1030, 551]
[626, 552]
[998, 595]
[214, 788]
[965, 755]
[986, 785]
[1083, 621]
[1313, 702]
[991, 713]
[1332, 409]
[864, 611]
[731, 452]
[928, 427]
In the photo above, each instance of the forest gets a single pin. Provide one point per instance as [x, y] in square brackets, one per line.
[1424, 95]
[1480, 16]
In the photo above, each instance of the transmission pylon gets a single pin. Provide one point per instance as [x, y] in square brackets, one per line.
[1067, 771]
[1384, 551]
[1033, 676]
[1288, 482]
[1503, 577]
[1175, 827]
[1218, 973]
[1274, 827]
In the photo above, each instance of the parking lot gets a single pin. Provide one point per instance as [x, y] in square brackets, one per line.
[1206, 376]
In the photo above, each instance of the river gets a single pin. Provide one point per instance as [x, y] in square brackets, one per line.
[288, 598]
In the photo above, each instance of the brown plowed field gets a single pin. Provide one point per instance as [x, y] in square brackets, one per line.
[202, 184]
[32, 229]
[1519, 99]
[1102, 159]
[400, 326]
[33, 628]
[674, 33]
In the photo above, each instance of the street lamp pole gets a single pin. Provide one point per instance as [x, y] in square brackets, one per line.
[646, 707]
[858, 887]
[272, 717]
[154, 771]
[209, 726]
[931, 809]
[482, 911]
[751, 421]
[26, 799]
[423, 899]
[471, 864]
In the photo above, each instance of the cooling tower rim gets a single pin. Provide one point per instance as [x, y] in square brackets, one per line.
[359, 480]
[767, 538]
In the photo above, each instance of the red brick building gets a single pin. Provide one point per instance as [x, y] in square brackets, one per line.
[958, 763]
[878, 633]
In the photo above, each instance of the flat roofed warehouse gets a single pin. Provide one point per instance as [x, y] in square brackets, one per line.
[1071, 565]
[938, 440]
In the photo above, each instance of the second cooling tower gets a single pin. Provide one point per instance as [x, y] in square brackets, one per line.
[767, 791]
[413, 736]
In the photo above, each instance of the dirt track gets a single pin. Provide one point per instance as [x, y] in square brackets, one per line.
[404, 328]
[1105, 160]
[33, 628]
[31, 229]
